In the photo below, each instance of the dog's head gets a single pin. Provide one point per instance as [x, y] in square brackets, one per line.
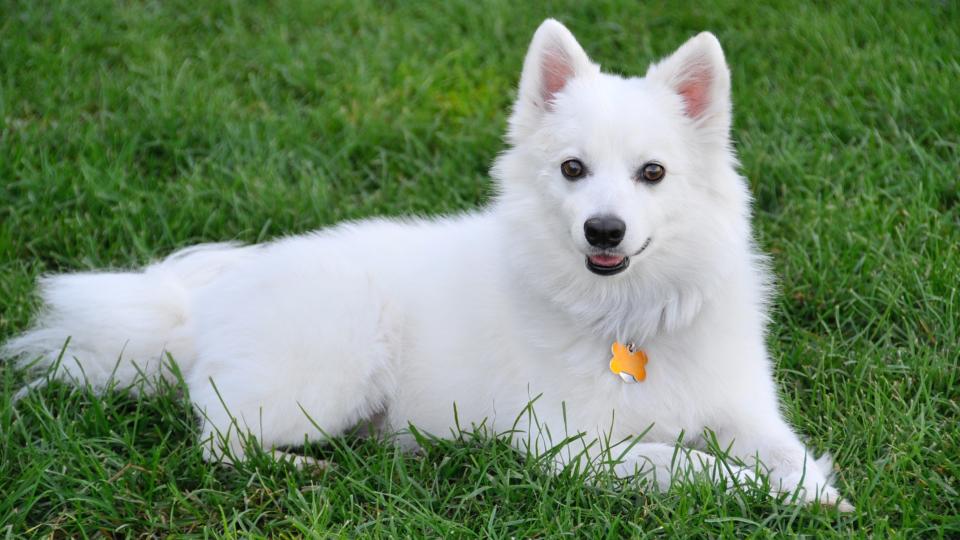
[620, 181]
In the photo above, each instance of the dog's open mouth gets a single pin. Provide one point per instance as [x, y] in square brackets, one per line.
[608, 264]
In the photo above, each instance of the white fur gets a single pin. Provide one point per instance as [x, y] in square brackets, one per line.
[400, 320]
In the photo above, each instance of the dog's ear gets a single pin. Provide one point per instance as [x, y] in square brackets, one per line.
[553, 59]
[698, 73]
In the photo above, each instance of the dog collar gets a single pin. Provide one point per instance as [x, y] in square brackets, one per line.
[628, 362]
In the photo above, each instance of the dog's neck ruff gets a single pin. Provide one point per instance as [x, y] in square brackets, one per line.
[628, 362]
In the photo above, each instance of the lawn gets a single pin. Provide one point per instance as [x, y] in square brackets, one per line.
[129, 129]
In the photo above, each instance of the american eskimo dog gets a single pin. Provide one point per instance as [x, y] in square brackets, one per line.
[613, 282]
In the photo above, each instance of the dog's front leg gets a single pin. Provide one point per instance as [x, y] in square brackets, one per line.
[763, 440]
[664, 465]
[658, 465]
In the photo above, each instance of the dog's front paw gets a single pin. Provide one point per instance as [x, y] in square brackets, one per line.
[300, 461]
[831, 497]
[828, 496]
[813, 491]
[738, 477]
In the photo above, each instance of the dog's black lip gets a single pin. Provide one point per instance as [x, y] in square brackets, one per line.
[608, 270]
[613, 270]
[644, 246]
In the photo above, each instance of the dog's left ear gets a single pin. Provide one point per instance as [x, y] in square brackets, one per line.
[698, 73]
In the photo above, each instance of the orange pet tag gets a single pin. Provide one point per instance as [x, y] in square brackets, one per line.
[628, 362]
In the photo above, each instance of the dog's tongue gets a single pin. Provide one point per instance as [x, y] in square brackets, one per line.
[606, 260]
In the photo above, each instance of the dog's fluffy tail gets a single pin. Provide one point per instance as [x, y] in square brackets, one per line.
[110, 327]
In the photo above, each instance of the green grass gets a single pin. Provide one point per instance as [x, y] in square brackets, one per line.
[128, 129]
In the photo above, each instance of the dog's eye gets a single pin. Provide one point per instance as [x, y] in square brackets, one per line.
[573, 169]
[652, 172]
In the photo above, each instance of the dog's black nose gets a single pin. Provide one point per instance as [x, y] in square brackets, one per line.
[604, 231]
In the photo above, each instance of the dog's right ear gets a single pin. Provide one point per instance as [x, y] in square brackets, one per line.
[553, 59]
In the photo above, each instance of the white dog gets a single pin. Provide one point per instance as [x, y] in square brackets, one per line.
[620, 224]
